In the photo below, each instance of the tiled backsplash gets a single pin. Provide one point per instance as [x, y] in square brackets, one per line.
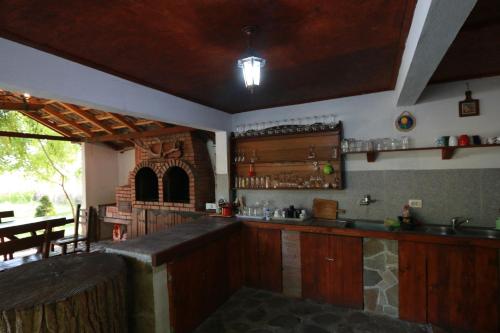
[473, 193]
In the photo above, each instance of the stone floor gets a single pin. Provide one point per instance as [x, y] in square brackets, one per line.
[258, 311]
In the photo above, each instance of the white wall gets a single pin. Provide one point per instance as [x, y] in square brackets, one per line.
[100, 174]
[373, 116]
[126, 163]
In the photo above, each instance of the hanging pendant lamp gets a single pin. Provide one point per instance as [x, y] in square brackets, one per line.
[251, 64]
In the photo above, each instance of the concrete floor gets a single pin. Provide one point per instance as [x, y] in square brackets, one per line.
[258, 311]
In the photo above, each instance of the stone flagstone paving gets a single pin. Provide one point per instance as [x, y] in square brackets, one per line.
[258, 311]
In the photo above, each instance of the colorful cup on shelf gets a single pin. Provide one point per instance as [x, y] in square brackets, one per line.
[463, 140]
[442, 141]
[476, 140]
[453, 141]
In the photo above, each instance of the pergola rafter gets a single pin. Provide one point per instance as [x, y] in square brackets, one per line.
[83, 124]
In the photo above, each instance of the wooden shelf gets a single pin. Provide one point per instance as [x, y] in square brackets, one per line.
[446, 152]
[287, 188]
[287, 155]
[284, 162]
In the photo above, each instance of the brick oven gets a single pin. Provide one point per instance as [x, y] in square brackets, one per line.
[172, 180]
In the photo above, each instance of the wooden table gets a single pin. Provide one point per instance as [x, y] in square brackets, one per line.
[11, 230]
[33, 224]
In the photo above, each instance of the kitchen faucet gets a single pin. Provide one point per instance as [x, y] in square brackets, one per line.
[456, 222]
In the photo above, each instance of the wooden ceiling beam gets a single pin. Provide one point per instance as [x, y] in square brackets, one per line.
[38, 136]
[137, 135]
[20, 106]
[47, 123]
[72, 123]
[87, 116]
[125, 121]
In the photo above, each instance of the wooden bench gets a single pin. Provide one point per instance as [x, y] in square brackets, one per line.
[40, 241]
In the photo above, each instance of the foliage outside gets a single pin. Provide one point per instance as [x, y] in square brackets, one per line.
[45, 208]
[42, 160]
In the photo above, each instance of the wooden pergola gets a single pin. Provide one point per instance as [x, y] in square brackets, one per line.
[82, 124]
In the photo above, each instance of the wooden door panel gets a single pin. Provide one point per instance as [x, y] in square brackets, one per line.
[185, 292]
[251, 256]
[270, 265]
[486, 297]
[314, 253]
[463, 288]
[348, 270]
[234, 261]
[412, 281]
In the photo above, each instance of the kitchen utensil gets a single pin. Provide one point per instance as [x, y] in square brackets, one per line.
[325, 209]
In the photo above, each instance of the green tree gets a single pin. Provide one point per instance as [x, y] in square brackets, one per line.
[43, 160]
[45, 208]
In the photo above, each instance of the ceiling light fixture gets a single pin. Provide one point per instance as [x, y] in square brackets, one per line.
[250, 64]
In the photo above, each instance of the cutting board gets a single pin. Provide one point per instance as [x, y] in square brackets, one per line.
[325, 209]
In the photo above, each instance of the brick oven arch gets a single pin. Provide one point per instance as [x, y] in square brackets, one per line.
[182, 169]
[146, 165]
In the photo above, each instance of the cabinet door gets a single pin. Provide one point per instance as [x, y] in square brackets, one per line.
[346, 271]
[413, 281]
[270, 265]
[186, 289]
[332, 269]
[251, 256]
[315, 259]
[463, 287]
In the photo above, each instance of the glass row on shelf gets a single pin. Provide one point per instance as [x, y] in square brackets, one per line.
[287, 126]
[241, 156]
[285, 180]
[356, 145]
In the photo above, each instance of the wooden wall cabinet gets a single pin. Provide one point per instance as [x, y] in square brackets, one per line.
[332, 269]
[202, 280]
[262, 258]
[451, 286]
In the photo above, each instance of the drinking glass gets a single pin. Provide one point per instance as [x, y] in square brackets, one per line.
[300, 125]
[316, 123]
[331, 121]
[324, 122]
[291, 125]
[405, 142]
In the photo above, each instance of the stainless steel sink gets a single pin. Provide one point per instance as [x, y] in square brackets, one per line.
[368, 225]
[439, 230]
[483, 233]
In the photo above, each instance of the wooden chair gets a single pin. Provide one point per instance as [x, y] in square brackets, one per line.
[41, 242]
[82, 217]
[6, 214]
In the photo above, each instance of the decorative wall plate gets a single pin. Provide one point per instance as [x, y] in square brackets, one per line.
[405, 122]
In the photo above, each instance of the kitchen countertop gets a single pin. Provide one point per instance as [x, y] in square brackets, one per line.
[150, 247]
[162, 246]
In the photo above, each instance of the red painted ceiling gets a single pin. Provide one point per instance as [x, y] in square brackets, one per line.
[315, 49]
[475, 52]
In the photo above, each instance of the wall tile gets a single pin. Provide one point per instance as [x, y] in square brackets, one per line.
[445, 193]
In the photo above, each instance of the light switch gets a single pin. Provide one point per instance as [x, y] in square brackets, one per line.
[415, 203]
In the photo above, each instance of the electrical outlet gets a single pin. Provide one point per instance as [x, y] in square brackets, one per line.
[415, 203]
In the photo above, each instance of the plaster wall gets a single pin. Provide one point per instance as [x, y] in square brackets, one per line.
[373, 116]
[126, 163]
[100, 174]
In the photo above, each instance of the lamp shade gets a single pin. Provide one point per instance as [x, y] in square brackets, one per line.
[250, 67]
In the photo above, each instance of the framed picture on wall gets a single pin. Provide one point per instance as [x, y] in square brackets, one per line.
[469, 106]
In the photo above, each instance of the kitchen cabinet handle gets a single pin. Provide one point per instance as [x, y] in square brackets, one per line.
[329, 259]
